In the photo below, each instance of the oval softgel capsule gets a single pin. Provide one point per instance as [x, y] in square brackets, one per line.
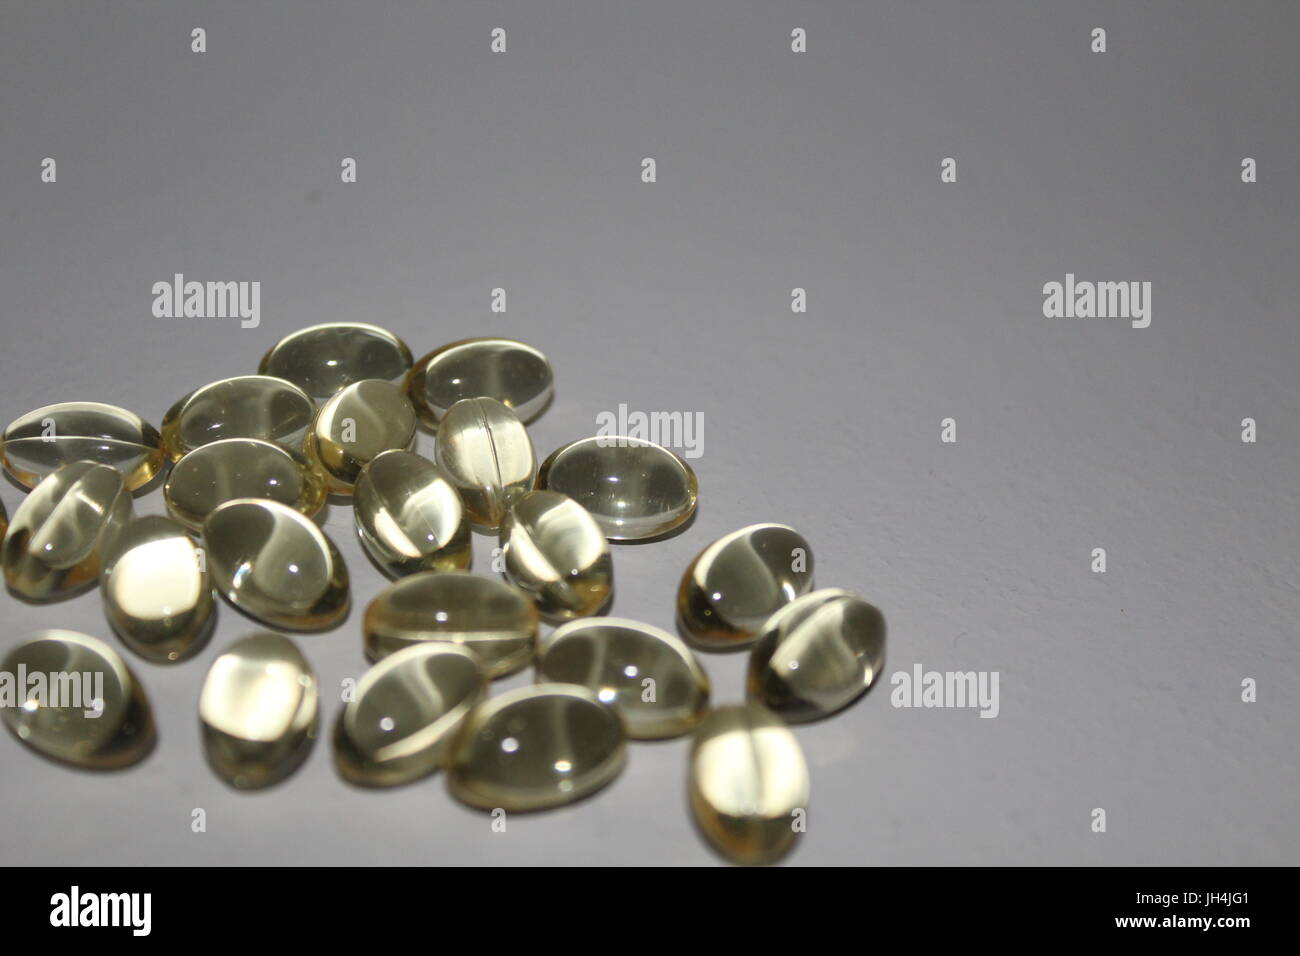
[515, 374]
[740, 580]
[40, 442]
[494, 620]
[535, 748]
[485, 452]
[409, 517]
[55, 544]
[399, 724]
[636, 490]
[817, 655]
[748, 784]
[156, 590]
[221, 471]
[357, 424]
[322, 359]
[96, 717]
[646, 674]
[553, 549]
[248, 406]
[275, 565]
[258, 710]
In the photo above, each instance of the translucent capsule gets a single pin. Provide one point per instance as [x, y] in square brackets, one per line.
[515, 374]
[817, 654]
[634, 489]
[249, 406]
[407, 708]
[4, 520]
[409, 517]
[748, 784]
[55, 544]
[735, 584]
[258, 710]
[325, 358]
[232, 468]
[649, 676]
[488, 616]
[484, 450]
[355, 425]
[551, 548]
[536, 747]
[41, 441]
[156, 590]
[275, 565]
[71, 698]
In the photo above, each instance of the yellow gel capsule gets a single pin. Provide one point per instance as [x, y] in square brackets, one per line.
[636, 490]
[233, 468]
[409, 517]
[275, 565]
[748, 784]
[493, 619]
[55, 545]
[35, 445]
[552, 548]
[76, 702]
[156, 590]
[248, 406]
[323, 359]
[258, 711]
[735, 584]
[515, 374]
[399, 724]
[484, 450]
[817, 655]
[356, 425]
[536, 747]
[648, 675]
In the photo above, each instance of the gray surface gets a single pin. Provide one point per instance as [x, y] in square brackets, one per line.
[776, 170]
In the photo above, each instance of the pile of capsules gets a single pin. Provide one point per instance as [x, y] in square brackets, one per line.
[333, 411]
